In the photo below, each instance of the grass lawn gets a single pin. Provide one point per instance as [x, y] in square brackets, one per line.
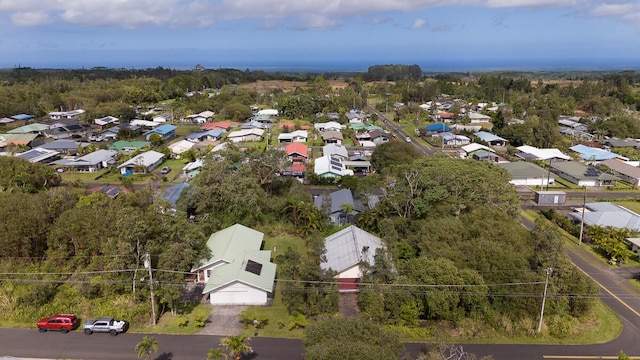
[278, 320]
[281, 243]
[184, 130]
[566, 183]
[631, 205]
[171, 324]
[84, 177]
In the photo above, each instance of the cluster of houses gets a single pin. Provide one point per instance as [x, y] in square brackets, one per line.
[240, 272]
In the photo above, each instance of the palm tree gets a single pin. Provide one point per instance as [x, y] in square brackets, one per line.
[216, 354]
[236, 346]
[148, 345]
[347, 210]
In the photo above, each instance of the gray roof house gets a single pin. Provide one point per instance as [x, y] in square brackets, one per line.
[346, 250]
[92, 162]
[491, 139]
[335, 150]
[607, 214]
[64, 146]
[238, 272]
[582, 175]
[39, 155]
[339, 201]
[528, 174]
[143, 163]
[628, 173]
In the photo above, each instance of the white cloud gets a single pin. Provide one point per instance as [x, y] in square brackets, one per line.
[306, 14]
[30, 18]
[418, 24]
[628, 12]
[530, 3]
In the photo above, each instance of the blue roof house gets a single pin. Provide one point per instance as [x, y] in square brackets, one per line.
[437, 128]
[166, 131]
[594, 154]
[24, 117]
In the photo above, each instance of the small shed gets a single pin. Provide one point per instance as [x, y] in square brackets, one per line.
[550, 197]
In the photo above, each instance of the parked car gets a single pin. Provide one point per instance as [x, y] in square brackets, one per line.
[165, 170]
[59, 322]
[105, 325]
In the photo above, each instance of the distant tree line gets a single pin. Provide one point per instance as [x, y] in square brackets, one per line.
[393, 72]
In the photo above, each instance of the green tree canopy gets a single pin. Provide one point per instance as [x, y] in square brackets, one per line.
[336, 338]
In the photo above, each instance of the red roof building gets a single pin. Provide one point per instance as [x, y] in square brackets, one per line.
[297, 152]
[222, 125]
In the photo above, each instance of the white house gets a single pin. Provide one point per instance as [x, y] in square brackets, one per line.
[246, 135]
[143, 163]
[475, 118]
[529, 152]
[270, 112]
[238, 272]
[328, 126]
[296, 136]
[528, 174]
[330, 166]
[180, 147]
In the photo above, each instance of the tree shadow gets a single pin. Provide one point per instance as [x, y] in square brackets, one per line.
[165, 356]
[252, 355]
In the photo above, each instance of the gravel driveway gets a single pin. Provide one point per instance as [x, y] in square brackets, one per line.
[223, 320]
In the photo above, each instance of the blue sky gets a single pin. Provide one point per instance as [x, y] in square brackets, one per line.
[340, 34]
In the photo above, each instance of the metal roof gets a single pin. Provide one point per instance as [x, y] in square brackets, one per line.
[234, 247]
[145, 159]
[595, 154]
[607, 214]
[348, 247]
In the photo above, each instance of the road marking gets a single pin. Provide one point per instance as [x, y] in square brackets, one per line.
[610, 293]
[584, 357]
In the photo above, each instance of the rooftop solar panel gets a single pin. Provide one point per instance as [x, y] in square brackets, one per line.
[253, 267]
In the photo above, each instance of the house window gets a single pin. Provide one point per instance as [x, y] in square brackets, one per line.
[208, 274]
[253, 267]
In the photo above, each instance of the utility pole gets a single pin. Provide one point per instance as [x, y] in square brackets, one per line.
[584, 205]
[147, 264]
[544, 296]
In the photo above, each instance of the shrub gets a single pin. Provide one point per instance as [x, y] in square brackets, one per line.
[182, 321]
[199, 321]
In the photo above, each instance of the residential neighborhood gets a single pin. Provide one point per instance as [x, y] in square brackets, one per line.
[338, 197]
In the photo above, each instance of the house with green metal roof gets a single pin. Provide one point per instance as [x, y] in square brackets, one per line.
[31, 128]
[129, 146]
[528, 174]
[238, 271]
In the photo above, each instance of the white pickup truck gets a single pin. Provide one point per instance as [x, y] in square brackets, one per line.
[105, 324]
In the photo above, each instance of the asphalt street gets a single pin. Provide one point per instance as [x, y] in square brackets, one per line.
[395, 128]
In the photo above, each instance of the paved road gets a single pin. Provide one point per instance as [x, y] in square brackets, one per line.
[403, 134]
[29, 343]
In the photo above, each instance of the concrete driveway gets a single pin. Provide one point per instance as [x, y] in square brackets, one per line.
[223, 320]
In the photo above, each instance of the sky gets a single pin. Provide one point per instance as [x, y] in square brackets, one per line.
[340, 35]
